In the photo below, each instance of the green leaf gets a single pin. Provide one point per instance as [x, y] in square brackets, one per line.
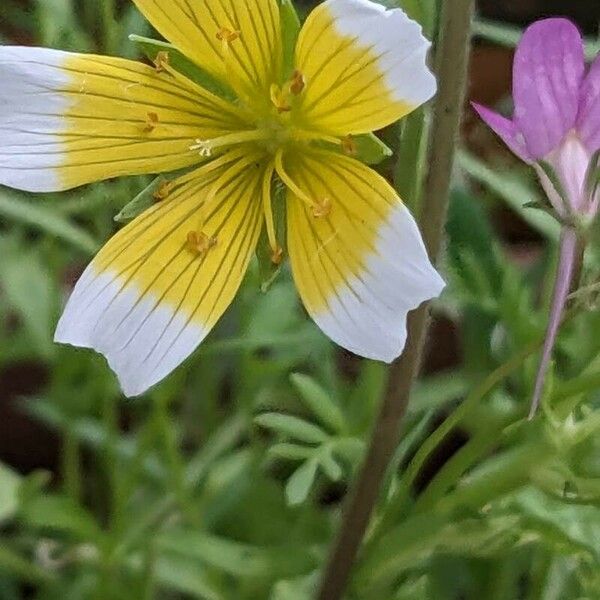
[515, 192]
[330, 466]
[573, 525]
[319, 402]
[292, 427]
[10, 484]
[186, 67]
[61, 513]
[46, 220]
[144, 200]
[290, 30]
[31, 291]
[300, 483]
[185, 575]
[234, 558]
[291, 451]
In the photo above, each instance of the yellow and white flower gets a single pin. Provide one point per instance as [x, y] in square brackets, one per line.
[158, 287]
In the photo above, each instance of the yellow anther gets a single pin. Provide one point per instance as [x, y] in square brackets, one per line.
[297, 83]
[277, 255]
[227, 36]
[349, 146]
[322, 208]
[163, 191]
[279, 99]
[200, 243]
[161, 61]
[151, 122]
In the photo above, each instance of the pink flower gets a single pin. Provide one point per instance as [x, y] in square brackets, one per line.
[556, 129]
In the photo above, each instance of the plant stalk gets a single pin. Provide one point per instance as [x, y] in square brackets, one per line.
[452, 68]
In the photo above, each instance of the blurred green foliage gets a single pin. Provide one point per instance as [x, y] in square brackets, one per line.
[225, 482]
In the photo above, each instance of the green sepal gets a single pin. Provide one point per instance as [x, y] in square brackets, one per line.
[368, 148]
[143, 201]
[183, 65]
[549, 171]
[290, 30]
[592, 177]
[267, 270]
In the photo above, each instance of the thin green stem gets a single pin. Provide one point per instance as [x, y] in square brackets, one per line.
[453, 53]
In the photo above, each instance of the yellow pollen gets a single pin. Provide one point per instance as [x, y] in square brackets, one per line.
[161, 61]
[151, 122]
[349, 146]
[227, 36]
[322, 208]
[200, 243]
[163, 191]
[297, 83]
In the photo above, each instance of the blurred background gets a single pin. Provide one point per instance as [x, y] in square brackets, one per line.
[225, 482]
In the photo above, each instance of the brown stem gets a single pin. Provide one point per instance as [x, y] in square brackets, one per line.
[452, 66]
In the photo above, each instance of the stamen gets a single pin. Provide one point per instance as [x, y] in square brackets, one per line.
[151, 122]
[163, 191]
[320, 208]
[206, 147]
[161, 62]
[276, 249]
[200, 243]
[227, 35]
[297, 83]
[349, 146]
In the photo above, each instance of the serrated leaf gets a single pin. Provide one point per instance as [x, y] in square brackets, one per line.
[292, 427]
[183, 65]
[300, 483]
[319, 402]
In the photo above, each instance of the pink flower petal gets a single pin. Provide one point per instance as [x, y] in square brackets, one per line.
[547, 75]
[505, 129]
[588, 122]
